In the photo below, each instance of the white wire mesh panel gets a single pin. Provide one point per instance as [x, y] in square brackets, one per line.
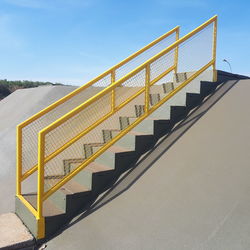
[160, 65]
[193, 54]
[130, 87]
[146, 55]
[76, 124]
[196, 51]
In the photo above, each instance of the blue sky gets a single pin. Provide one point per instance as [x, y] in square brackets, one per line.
[72, 41]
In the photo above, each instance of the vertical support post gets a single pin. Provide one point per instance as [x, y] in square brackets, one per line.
[214, 49]
[18, 160]
[113, 91]
[177, 35]
[147, 87]
[40, 188]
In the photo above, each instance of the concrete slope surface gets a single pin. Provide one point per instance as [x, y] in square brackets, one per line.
[194, 194]
[14, 109]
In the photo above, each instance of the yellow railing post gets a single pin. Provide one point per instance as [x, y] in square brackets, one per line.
[113, 91]
[177, 35]
[214, 49]
[147, 87]
[40, 188]
[19, 160]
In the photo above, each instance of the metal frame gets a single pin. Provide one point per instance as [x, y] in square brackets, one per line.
[41, 195]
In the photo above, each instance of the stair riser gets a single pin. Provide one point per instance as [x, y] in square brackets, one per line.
[69, 202]
[94, 181]
[120, 162]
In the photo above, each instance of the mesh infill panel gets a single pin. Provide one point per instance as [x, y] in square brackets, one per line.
[146, 55]
[193, 54]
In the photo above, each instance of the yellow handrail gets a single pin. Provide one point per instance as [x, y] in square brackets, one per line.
[42, 159]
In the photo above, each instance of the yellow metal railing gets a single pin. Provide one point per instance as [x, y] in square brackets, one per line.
[111, 100]
[22, 175]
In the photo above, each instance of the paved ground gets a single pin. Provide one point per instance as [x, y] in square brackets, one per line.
[194, 194]
[13, 234]
[14, 109]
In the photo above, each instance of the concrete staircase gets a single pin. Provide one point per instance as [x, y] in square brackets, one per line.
[101, 174]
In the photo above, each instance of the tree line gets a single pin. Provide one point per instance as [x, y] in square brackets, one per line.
[7, 87]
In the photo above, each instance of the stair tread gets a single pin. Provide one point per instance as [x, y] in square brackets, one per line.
[71, 187]
[117, 149]
[75, 187]
[49, 209]
[132, 132]
[150, 118]
[95, 167]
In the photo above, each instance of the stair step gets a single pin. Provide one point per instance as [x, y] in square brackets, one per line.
[49, 209]
[95, 167]
[70, 187]
[149, 126]
[95, 176]
[71, 196]
[117, 158]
